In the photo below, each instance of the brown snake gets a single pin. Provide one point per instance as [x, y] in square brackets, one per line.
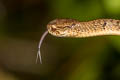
[76, 29]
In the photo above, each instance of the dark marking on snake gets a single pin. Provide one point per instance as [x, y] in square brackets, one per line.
[104, 25]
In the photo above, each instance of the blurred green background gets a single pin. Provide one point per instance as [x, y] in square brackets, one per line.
[22, 22]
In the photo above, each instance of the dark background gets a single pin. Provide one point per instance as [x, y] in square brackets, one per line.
[22, 22]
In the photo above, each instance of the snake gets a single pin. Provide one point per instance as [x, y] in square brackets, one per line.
[78, 29]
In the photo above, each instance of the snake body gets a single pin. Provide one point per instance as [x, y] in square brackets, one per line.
[75, 28]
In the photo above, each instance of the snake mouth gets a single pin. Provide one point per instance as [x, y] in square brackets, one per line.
[56, 32]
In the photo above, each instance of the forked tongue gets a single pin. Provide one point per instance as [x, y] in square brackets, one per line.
[39, 46]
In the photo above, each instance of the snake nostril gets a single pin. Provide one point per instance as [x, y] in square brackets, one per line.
[53, 29]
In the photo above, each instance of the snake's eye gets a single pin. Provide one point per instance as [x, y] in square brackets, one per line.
[73, 25]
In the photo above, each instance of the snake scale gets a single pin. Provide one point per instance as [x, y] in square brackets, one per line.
[76, 29]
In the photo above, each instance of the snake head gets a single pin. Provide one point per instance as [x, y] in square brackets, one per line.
[61, 27]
